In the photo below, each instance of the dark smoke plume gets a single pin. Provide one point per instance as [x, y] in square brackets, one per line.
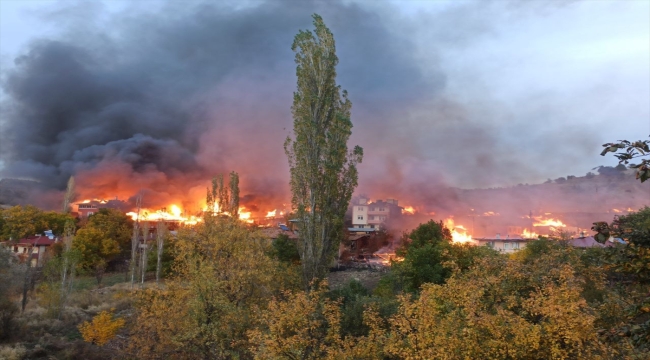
[160, 100]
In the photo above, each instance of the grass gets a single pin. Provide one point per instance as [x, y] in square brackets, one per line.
[83, 283]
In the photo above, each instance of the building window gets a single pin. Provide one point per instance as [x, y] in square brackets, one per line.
[372, 209]
[506, 246]
[90, 213]
[381, 209]
[515, 245]
[360, 208]
[372, 226]
[371, 217]
[360, 217]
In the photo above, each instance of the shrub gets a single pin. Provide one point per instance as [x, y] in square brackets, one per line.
[102, 329]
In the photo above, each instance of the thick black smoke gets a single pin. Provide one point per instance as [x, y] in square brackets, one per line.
[188, 90]
[163, 99]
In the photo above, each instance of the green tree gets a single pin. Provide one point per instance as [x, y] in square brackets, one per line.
[234, 195]
[323, 172]
[221, 274]
[106, 235]
[285, 249]
[22, 221]
[424, 253]
[625, 151]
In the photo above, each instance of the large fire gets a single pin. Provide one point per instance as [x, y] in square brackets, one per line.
[458, 232]
[176, 214]
[529, 234]
[408, 210]
[555, 223]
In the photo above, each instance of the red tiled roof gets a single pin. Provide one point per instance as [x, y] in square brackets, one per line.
[40, 240]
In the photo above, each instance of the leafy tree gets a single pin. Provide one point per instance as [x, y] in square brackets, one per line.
[234, 194]
[96, 249]
[22, 221]
[102, 329]
[11, 274]
[424, 253]
[285, 249]
[57, 221]
[323, 172]
[307, 325]
[106, 235]
[625, 151]
[221, 273]
[502, 309]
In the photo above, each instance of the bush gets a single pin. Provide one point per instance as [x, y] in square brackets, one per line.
[16, 352]
[8, 311]
[102, 329]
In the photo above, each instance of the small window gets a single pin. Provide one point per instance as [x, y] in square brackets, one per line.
[360, 217]
[506, 246]
[360, 208]
[381, 209]
[515, 245]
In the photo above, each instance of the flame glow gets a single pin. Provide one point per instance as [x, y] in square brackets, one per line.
[539, 221]
[529, 235]
[271, 214]
[175, 214]
[490, 213]
[408, 210]
[458, 232]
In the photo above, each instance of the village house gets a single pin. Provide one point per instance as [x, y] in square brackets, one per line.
[370, 217]
[33, 248]
[507, 244]
[89, 207]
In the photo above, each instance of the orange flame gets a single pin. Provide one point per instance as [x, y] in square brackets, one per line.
[458, 236]
[490, 213]
[539, 221]
[529, 235]
[271, 214]
[408, 210]
[174, 214]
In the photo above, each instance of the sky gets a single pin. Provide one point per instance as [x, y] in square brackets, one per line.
[469, 94]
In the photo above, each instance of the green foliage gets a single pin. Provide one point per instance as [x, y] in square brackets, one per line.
[167, 257]
[20, 221]
[424, 251]
[105, 236]
[285, 250]
[221, 273]
[354, 299]
[10, 275]
[323, 172]
[634, 228]
[625, 151]
[429, 257]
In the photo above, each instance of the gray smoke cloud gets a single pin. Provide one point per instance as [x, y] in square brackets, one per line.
[162, 99]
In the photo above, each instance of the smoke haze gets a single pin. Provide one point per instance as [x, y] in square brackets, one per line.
[162, 99]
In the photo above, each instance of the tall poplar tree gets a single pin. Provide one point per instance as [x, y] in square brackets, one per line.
[323, 171]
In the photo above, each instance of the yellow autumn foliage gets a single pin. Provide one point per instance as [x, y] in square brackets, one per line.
[500, 309]
[102, 329]
[307, 325]
[221, 272]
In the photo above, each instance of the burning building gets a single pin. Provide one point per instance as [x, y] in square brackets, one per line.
[89, 207]
[374, 215]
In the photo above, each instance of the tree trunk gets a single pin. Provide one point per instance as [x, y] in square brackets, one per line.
[160, 239]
